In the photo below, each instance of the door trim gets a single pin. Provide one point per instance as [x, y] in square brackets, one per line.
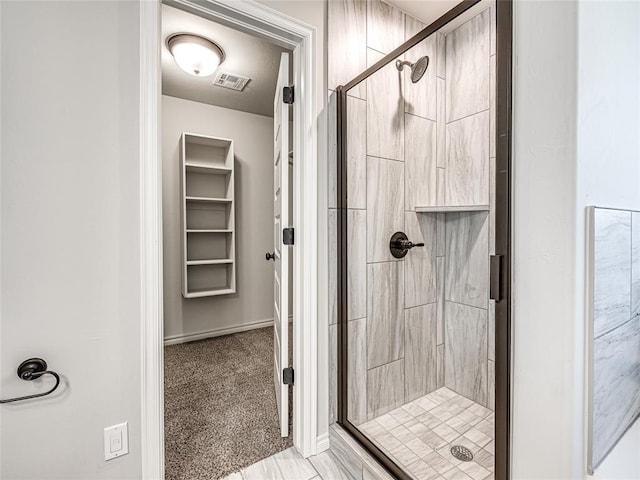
[250, 17]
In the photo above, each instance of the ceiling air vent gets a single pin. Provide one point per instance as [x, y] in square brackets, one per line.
[230, 80]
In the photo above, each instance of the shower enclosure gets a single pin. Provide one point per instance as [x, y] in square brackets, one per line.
[422, 252]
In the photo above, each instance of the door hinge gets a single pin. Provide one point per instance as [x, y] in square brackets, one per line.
[287, 376]
[287, 95]
[287, 236]
[495, 277]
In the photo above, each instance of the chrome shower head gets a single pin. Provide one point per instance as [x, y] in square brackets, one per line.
[418, 68]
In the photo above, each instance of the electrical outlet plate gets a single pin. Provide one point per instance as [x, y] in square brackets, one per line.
[116, 441]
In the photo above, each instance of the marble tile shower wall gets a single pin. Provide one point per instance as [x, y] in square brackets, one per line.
[417, 324]
[616, 326]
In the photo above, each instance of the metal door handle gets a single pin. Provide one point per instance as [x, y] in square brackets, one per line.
[270, 256]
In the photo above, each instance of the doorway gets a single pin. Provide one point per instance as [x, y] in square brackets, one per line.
[286, 33]
[226, 184]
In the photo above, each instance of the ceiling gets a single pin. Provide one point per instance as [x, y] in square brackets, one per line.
[245, 55]
[429, 11]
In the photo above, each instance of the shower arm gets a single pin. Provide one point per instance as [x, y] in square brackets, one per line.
[400, 64]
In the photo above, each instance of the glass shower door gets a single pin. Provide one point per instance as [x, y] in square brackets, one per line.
[417, 216]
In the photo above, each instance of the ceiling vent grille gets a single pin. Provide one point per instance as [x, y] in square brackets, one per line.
[230, 80]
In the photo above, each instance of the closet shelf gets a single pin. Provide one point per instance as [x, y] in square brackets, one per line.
[208, 200]
[208, 292]
[207, 207]
[210, 169]
[219, 261]
[450, 209]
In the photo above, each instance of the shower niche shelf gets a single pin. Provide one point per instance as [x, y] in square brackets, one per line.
[451, 209]
[207, 216]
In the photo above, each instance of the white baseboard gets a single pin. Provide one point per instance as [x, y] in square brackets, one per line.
[216, 332]
[219, 332]
[322, 443]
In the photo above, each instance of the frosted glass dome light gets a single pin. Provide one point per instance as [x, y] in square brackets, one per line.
[195, 55]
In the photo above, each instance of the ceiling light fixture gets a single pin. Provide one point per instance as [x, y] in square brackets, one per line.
[194, 54]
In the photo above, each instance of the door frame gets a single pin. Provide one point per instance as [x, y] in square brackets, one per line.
[254, 18]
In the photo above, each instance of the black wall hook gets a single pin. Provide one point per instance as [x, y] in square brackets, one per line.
[30, 370]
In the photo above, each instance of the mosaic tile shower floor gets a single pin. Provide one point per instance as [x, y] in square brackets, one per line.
[419, 435]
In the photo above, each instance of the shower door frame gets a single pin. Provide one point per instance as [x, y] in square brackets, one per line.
[503, 244]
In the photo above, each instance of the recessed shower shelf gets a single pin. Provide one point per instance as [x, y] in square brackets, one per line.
[451, 209]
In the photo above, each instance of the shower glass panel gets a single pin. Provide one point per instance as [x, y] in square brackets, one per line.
[418, 209]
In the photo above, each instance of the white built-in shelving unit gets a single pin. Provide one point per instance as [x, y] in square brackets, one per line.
[208, 217]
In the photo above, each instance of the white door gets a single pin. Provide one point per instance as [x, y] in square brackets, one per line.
[281, 251]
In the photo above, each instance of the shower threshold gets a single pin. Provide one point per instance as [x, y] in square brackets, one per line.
[419, 436]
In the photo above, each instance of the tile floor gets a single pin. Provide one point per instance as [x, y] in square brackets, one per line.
[420, 434]
[417, 435]
[289, 465]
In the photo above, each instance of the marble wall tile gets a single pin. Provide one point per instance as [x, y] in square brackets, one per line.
[491, 334]
[441, 41]
[329, 467]
[440, 366]
[333, 373]
[467, 173]
[635, 263]
[385, 388]
[420, 162]
[413, 26]
[441, 188]
[357, 371]
[356, 153]
[493, 30]
[441, 150]
[420, 262]
[385, 319]
[441, 234]
[467, 259]
[467, 65]
[343, 447]
[385, 113]
[420, 367]
[440, 282]
[385, 26]
[420, 97]
[346, 43]
[333, 266]
[492, 108]
[465, 351]
[616, 376]
[612, 269]
[491, 385]
[332, 150]
[357, 263]
[492, 206]
[385, 206]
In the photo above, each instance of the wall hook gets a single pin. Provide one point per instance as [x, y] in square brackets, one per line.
[30, 370]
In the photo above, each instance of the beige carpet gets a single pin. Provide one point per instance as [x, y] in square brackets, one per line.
[220, 405]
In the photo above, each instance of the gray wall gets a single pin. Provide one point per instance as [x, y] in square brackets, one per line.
[70, 235]
[253, 148]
